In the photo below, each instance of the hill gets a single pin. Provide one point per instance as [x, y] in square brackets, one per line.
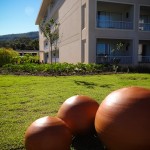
[11, 37]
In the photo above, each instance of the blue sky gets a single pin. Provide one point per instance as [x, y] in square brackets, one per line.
[18, 16]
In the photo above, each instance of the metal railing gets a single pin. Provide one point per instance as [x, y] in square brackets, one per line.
[144, 26]
[144, 59]
[55, 59]
[114, 59]
[114, 24]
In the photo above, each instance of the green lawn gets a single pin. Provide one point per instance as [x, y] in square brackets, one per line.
[24, 99]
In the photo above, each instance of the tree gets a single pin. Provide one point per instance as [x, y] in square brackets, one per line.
[34, 44]
[50, 31]
[22, 43]
[118, 47]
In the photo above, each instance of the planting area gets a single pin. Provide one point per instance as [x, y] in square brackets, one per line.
[23, 99]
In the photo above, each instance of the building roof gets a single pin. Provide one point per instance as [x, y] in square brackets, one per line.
[42, 11]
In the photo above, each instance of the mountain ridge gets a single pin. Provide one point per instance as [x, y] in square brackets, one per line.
[11, 37]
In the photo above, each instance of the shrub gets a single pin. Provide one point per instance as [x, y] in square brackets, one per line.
[53, 69]
[7, 56]
[27, 58]
[59, 69]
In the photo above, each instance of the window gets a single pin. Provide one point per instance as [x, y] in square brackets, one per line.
[115, 16]
[83, 51]
[83, 16]
[46, 45]
[108, 19]
[103, 49]
[103, 18]
[109, 16]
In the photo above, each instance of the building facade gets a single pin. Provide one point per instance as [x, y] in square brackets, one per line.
[30, 52]
[98, 31]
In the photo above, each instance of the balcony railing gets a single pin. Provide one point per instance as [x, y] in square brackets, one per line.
[114, 59]
[114, 24]
[144, 26]
[55, 59]
[144, 59]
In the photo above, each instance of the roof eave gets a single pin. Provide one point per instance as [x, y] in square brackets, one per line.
[42, 11]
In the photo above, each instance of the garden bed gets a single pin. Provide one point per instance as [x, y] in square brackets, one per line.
[66, 69]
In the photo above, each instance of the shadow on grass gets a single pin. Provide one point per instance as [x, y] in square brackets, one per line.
[86, 84]
[106, 85]
[134, 78]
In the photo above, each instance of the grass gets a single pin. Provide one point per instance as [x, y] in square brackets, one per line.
[24, 99]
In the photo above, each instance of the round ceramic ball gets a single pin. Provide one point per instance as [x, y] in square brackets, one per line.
[123, 119]
[79, 114]
[48, 133]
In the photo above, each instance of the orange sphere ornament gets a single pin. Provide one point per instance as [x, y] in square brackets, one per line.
[123, 119]
[79, 113]
[48, 133]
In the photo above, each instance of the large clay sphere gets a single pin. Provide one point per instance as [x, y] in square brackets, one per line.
[48, 133]
[79, 113]
[123, 119]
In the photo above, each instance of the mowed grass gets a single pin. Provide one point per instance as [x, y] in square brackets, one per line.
[23, 99]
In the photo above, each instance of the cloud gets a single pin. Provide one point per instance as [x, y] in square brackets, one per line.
[29, 10]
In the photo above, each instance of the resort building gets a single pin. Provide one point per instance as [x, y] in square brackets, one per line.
[98, 31]
[30, 52]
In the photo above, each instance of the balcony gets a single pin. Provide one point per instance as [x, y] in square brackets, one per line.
[114, 59]
[115, 24]
[144, 19]
[115, 15]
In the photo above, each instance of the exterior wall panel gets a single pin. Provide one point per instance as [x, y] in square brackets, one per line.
[70, 31]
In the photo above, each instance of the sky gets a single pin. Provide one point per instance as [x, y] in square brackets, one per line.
[18, 16]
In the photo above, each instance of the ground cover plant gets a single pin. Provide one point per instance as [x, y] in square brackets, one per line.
[25, 66]
[24, 99]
